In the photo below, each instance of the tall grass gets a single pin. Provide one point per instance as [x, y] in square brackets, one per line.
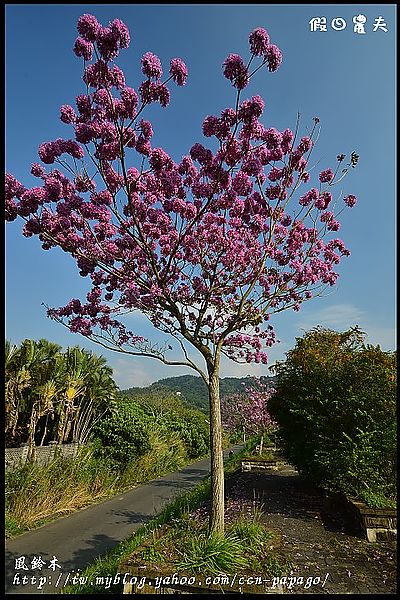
[212, 554]
[167, 454]
[35, 494]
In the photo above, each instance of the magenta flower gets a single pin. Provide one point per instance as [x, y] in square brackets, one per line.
[201, 154]
[53, 188]
[272, 138]
[350, 200]
[130, 99]
[210, 126]
[275, 174]
[163, 95]
[287, 138]
[326, 217]
[178, 70]
[102, 198]
[37, 170]
[98, 74]
[146, 129]
[333, 225]
[72, 148]
[323, 201]
[67, 114]
[108, 43]
[326, 176]
[311, 196]
[13, 188]
[83, 105]
[259, 41]
[49, 151]
[274, 57]
[148, 91]
[242, 184]
[143, 146]
[83, 48]
[251, 109]
[121, 33]
[151, 65]
[88, 27]
[118, 77]
[235, 70]
[305, 144]
[253, 166]
[273, 192]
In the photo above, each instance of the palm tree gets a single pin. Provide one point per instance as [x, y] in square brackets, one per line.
[100, 393]
[43, 357]
[17, 379]
[72, 390]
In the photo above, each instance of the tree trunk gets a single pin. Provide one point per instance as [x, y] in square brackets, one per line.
[45, 430]
[261, 443]
[67, 430]
[31, 438]
[217, 463]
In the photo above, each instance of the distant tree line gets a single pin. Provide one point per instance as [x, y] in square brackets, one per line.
[193, 391]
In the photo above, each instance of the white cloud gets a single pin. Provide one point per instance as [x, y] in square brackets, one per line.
[336, 316]
[343, 316]
[131, 372]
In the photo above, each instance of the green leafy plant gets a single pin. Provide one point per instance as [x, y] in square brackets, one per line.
[212, 554]
[275, 567]
[252, 533]
[123, 435]
[335, 403]
[150, 554]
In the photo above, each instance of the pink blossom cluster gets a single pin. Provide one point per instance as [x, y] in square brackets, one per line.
[248, 409]
[238, 72]
[209, 246]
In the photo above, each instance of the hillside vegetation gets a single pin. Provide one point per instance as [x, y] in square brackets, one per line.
[193, 390]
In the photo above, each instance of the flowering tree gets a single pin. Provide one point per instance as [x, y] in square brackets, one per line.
[248, 411]
[208, 248]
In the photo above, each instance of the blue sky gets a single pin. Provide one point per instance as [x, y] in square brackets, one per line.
[344, 78]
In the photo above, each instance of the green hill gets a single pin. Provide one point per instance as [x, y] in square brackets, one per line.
[193, 390]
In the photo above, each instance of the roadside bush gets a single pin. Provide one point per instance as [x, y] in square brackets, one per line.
[335, 404]
[123, 435]
[192, 428]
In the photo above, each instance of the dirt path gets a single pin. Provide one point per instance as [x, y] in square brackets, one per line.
[312, 543]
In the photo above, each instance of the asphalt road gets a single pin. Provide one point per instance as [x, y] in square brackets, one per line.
[75, 541]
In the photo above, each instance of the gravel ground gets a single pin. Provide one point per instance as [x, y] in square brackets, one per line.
[314, 543]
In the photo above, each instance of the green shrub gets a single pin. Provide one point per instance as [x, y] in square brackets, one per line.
[123, 435]
[166, 454]
[193, 430]
[335, 404]
[252, 534]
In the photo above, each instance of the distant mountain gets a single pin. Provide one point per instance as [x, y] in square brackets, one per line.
[193, 390]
